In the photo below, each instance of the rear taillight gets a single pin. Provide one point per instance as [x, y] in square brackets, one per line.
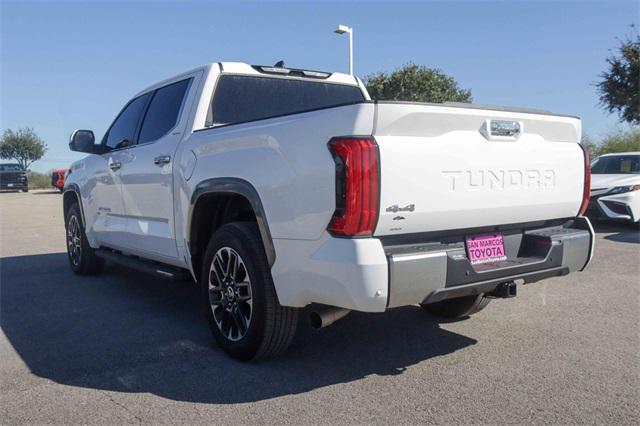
[587, 181]
[357, 186]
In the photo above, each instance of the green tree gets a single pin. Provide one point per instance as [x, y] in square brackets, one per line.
[620, 86]
[620, 141]
[416, 83]
[590, 144]
[24, 146]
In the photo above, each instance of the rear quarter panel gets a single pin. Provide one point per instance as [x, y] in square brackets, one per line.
[286, 159]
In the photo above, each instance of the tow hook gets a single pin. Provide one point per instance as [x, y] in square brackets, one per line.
[505, 290]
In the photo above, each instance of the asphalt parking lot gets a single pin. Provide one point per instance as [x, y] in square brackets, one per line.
[125, 348]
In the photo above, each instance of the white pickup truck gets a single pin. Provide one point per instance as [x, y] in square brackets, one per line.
[277, 188]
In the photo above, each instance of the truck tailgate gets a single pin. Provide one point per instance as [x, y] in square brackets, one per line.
[442, 167]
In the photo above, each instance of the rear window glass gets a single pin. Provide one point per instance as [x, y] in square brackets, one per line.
[10, 168]
[163, 111]
[616, 165]
[239, 99]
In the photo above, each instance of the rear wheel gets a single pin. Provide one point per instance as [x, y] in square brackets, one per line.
[82, 257]
[459, 307]
[239, 298]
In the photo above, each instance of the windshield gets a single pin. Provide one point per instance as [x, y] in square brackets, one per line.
[616, 165]
[10, 168]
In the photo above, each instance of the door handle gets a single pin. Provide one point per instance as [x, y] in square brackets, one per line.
[162, 160]
[115, 165]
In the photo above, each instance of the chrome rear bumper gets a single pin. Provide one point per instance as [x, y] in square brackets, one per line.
[438, 270]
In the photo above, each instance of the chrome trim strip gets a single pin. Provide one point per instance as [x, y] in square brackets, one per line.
[145, 218]
[586, 224]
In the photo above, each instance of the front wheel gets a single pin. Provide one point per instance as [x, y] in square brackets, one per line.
[460, 307]
[239, 297]
[82, 257]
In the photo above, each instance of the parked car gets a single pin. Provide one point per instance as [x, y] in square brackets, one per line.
[615, 187]
[57, 179]
[13, 176]
[276, 188]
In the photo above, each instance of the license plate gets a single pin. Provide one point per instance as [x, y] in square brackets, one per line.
[10, 185]
[485, 248]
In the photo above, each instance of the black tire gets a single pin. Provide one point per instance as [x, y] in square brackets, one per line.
[460, 307]
[25, 189]
[82, 258]
[258, 327]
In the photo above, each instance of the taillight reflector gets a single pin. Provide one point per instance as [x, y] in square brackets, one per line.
[357, 186]
[587, 181]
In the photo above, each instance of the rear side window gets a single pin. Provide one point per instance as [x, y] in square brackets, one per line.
[239, 99]
[123, 131]
[163, 111]
[617, 165]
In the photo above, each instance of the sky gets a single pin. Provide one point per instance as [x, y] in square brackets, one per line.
[68, 65]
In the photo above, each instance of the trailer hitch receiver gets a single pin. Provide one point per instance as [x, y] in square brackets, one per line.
[505, 290]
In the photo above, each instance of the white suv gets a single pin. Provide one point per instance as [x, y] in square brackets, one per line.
[615, 187]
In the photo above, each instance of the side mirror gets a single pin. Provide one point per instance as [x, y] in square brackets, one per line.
[83, 141]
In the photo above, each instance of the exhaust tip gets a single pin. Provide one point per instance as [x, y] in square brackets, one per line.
[315, 320]
[324, 317]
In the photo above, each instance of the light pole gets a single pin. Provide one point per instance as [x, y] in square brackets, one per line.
[344, 29]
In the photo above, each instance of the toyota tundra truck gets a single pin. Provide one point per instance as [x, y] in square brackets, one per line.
[276, 188]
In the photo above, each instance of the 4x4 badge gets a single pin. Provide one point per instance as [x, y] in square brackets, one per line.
[396, 208]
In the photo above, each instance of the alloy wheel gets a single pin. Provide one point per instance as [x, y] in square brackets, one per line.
[74, 240]
[230, 294]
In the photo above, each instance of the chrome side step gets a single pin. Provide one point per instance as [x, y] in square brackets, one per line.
[158, 269]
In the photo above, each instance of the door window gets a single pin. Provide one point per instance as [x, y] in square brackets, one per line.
[163, 111]
[123, 131]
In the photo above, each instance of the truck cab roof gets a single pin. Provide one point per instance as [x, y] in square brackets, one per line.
[246, 69]
[242, 68]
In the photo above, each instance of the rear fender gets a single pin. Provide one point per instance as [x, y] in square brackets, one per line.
[241, 187]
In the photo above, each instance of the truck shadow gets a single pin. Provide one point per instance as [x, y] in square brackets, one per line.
[126, 332]
[47, 192]
[618, 232]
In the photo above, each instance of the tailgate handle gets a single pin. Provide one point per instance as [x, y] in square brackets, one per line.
[505, 130]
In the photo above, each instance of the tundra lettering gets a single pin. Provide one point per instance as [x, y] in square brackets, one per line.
[500, 179]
